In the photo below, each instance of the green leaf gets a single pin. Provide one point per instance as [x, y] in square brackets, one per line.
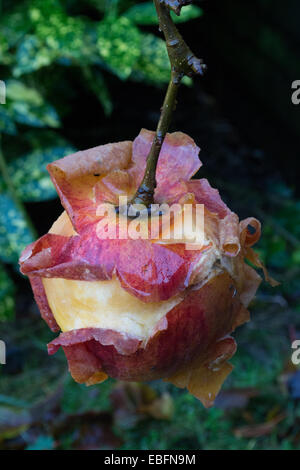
[29, 174]
[32, 55]
[39, 116]
[142, 13]
[14, 25]
[7, 124]
[56, 36]
[62, 34]
[145, 14]
[119, 44]
[14, 232]
[189, 12]
[18, 91]
[153, 64]
[4, 47]
[7, 298]
[26, 106]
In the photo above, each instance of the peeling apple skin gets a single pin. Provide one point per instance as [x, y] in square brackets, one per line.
[189, 345]
[205, 315]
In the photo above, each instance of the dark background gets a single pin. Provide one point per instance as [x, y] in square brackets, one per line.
[242, 117]
[240, 113]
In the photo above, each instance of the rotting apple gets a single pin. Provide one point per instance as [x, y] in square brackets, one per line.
[140, 310]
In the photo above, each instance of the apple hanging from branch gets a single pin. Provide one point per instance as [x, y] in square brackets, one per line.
[144, 309]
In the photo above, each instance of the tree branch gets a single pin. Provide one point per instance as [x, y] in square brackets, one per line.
[183, 62]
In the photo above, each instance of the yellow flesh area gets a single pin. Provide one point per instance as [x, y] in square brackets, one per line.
[103, 304]
[100, 304]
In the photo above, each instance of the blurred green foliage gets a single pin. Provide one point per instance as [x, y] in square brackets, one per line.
[43, 33]
[14, 231]
[25, 105]
[7, 291]
[29, 175]
[39, 41]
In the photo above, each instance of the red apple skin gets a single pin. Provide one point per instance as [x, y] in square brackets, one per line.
[190, 345]
[149, 271]
[205, 316]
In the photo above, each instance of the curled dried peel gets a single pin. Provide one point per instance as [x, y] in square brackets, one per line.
[230, 235]
[75, 176]
[192, 299]
[178, 158]
[205, 376]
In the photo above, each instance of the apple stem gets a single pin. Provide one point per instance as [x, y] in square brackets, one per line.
[183, 62]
